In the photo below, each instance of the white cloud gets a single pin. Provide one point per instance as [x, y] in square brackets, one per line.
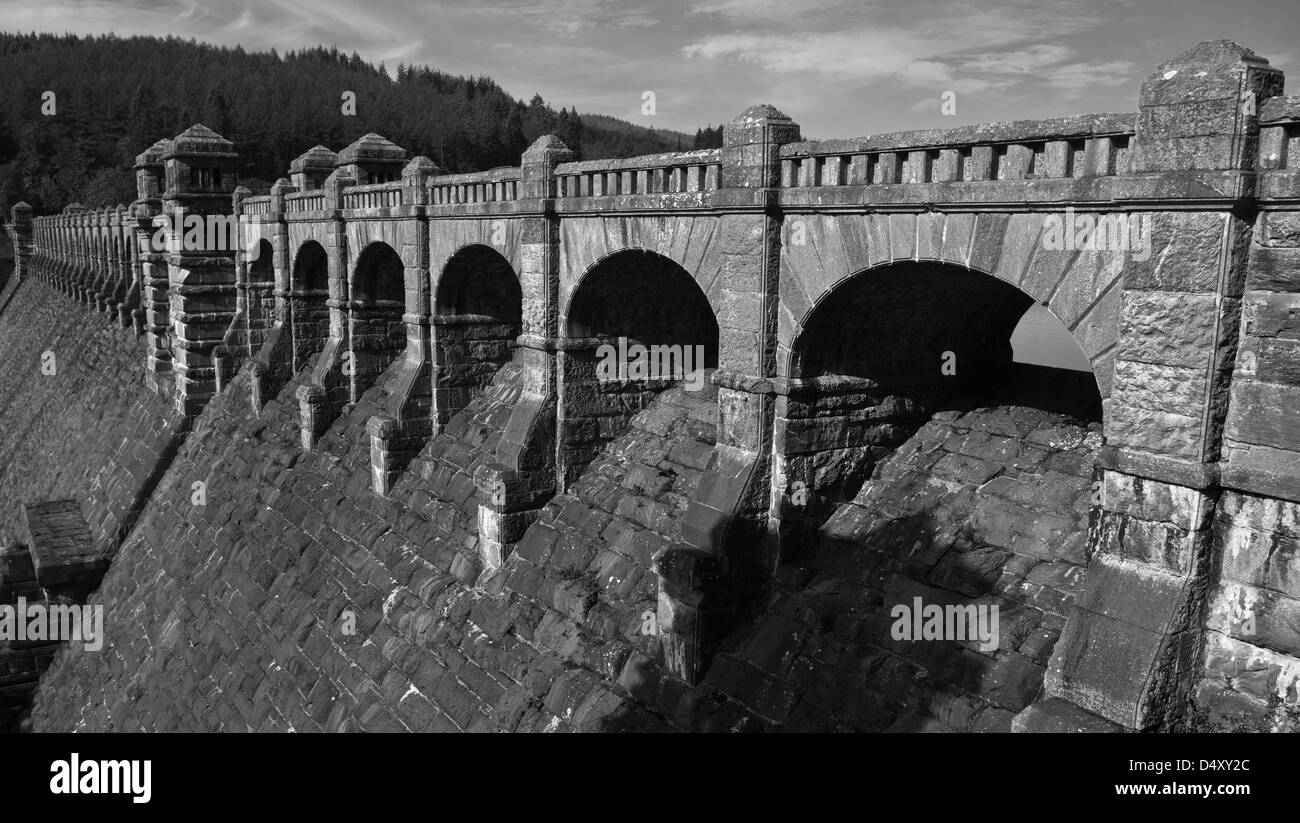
[1020, 60]
[1090, 75]
[783, 11]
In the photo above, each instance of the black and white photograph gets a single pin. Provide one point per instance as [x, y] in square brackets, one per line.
[704, 367]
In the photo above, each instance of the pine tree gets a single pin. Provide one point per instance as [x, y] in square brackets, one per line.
[216, 114]
[145, 121]
[126, 94]
[514, 141]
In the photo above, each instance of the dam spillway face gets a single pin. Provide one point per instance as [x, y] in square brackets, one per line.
[735, 439]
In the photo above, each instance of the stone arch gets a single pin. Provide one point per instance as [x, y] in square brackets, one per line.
[692, 242]
[262, 267]
[966, 486]
[478, 280]
[637, 323]
[377, 303]
[261, 292]
[944, 302]
[378, 278]
[642, 295]
[886, 348]
[477, 316]
[311, 269]
[1081, 289]
[309, 314]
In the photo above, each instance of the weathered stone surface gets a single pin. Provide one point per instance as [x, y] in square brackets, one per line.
[1056, 716]
[470, 612]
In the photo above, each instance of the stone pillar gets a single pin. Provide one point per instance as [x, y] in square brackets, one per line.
[60, 246]
[526, 472]
[724, 557]
[156, 304]
[99, 270]
[1130, 651]
[76, 249]
[76, 266]
[146, 299]
[1251, 673]
[22, 232]
[253, 296]
[272, 352]
[73, 268]
[398, 434]
[90, 268]
[200, 258]
[326, 392]
[53, 248]
[56, 268]
[266, 298]
[114, 290]
[233, 349]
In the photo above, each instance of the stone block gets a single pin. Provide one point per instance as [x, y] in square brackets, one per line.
[1052, 715]
[63, 552]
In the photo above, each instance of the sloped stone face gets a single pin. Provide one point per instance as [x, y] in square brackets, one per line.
[260, 582]
[279, 592]
[988, 507]
[236, 613]
[99, 449]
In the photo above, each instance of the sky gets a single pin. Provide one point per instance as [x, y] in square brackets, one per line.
[840, 68]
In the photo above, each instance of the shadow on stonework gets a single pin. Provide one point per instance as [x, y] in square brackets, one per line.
[835, 646]
[869, 662]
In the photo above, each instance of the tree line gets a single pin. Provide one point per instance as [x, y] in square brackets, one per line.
[75, 111]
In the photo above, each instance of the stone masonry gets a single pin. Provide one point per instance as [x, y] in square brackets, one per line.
[361, 469]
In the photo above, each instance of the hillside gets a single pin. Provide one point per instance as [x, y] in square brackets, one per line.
[114, 96]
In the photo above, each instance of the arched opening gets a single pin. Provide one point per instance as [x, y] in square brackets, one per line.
[891, 346]
[637, 323]
[261, 292]
[935, 476]
[309, 315]
[261, 269]
[378, 334]
[478, 310]
[646, 298]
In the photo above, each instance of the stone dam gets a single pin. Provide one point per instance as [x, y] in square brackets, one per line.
[352, 456]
